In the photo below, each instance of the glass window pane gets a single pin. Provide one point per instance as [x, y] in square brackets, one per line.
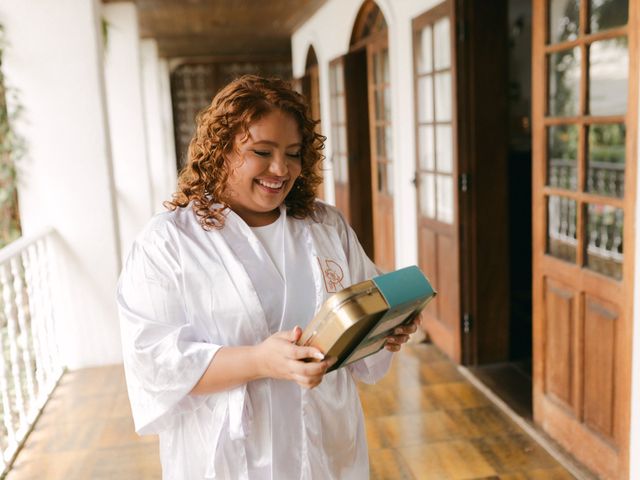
[342, 135]
[562, 155]
[335, 138]
[336, 167]
[444, 192]
[344, 165]
[385, 66]
[333, 83]
[342, 117]
[389, 178]
[340, 77]
[380, 148]
[427, 195]
[564, 82]
[604, 240]
[425, 99]
[564, 20]
[382, 178]
[606, 160]
[444, 149]
[608, 77]
[606, 14]
[442, 44]
[388, 143]
[376, 67]
[423, 54]
[379, 104]
[443, 97]
[334, 109]
[561, 229]
[425, 147]
[387, 103]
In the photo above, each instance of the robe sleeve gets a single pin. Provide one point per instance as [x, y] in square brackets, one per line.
[361, 268]
[163, 355]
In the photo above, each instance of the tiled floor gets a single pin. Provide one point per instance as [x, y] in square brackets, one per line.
[424, 421]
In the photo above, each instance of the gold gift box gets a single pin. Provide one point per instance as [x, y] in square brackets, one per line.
[355, 322]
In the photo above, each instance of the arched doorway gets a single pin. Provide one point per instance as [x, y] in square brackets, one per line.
[309, 86]
[365, 186]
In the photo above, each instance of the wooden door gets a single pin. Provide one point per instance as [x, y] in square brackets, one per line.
[584, 110]
[381, 151]
[309, 86]
[437, 173]
[358, 148]
[339, 148]
[314, 105]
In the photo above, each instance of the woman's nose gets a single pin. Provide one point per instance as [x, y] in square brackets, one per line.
[278, 165]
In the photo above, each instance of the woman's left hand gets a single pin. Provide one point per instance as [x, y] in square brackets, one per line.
[401, 335]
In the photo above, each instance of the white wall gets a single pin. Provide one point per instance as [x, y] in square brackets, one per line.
[398, 14]
[123, 78]
[167, 124]
[162, 163]
[54, 60]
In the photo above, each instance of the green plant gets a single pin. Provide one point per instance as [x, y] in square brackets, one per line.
[11, 149]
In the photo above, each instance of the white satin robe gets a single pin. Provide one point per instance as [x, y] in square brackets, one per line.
[183, 294]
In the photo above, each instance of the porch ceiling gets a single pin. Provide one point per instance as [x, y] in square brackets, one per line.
[243, 28]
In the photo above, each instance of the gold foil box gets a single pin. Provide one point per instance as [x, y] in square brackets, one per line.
[355, 322]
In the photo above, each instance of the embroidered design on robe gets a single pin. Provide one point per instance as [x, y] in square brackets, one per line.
[332, 274]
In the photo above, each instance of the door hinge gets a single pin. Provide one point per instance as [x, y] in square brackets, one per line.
[466, 323]
[464, 182]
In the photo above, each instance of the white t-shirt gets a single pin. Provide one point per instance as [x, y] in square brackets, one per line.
[281, 250]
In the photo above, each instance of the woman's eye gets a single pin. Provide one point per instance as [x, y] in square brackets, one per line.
[295, 155]
[262, 153]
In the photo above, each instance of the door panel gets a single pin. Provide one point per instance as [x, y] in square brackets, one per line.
[339, 147]
[601, 320]
[584, 119]
[381, 151]
[436, 173]
[560, 312]
[358, 148]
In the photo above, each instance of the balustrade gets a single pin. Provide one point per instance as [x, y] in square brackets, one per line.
[30, 365]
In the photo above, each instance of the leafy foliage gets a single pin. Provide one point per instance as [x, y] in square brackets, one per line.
[11, 149]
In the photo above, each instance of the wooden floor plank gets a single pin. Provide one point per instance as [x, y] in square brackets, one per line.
[423, 421]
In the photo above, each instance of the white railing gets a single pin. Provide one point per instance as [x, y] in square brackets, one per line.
[30, 365]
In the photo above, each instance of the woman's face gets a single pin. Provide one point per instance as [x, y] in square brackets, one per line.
[263, 168]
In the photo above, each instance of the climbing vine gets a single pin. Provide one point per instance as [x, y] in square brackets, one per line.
[11, 149]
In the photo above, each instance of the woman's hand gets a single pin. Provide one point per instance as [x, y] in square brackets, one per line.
[401, 335]
[281, 358]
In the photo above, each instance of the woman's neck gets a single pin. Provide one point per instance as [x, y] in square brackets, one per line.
[257, 219]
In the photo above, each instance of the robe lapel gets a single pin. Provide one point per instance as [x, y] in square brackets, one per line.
[249, 255]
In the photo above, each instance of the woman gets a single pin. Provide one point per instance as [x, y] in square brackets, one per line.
[214, 292]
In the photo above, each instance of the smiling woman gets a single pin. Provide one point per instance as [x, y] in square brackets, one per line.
[238, 126]
[214, 292]
[264, 168]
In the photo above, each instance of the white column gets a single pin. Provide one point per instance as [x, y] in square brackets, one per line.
[125, 105]
[54, 60]
[158, 162]
[167, 124]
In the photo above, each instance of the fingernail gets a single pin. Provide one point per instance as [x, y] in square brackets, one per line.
[318, 355]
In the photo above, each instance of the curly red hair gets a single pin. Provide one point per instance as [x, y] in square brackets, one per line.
[234, 109]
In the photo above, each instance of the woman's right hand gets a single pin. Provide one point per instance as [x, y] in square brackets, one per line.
[281, 358]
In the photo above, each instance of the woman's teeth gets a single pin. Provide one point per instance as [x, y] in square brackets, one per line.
[274, 185]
